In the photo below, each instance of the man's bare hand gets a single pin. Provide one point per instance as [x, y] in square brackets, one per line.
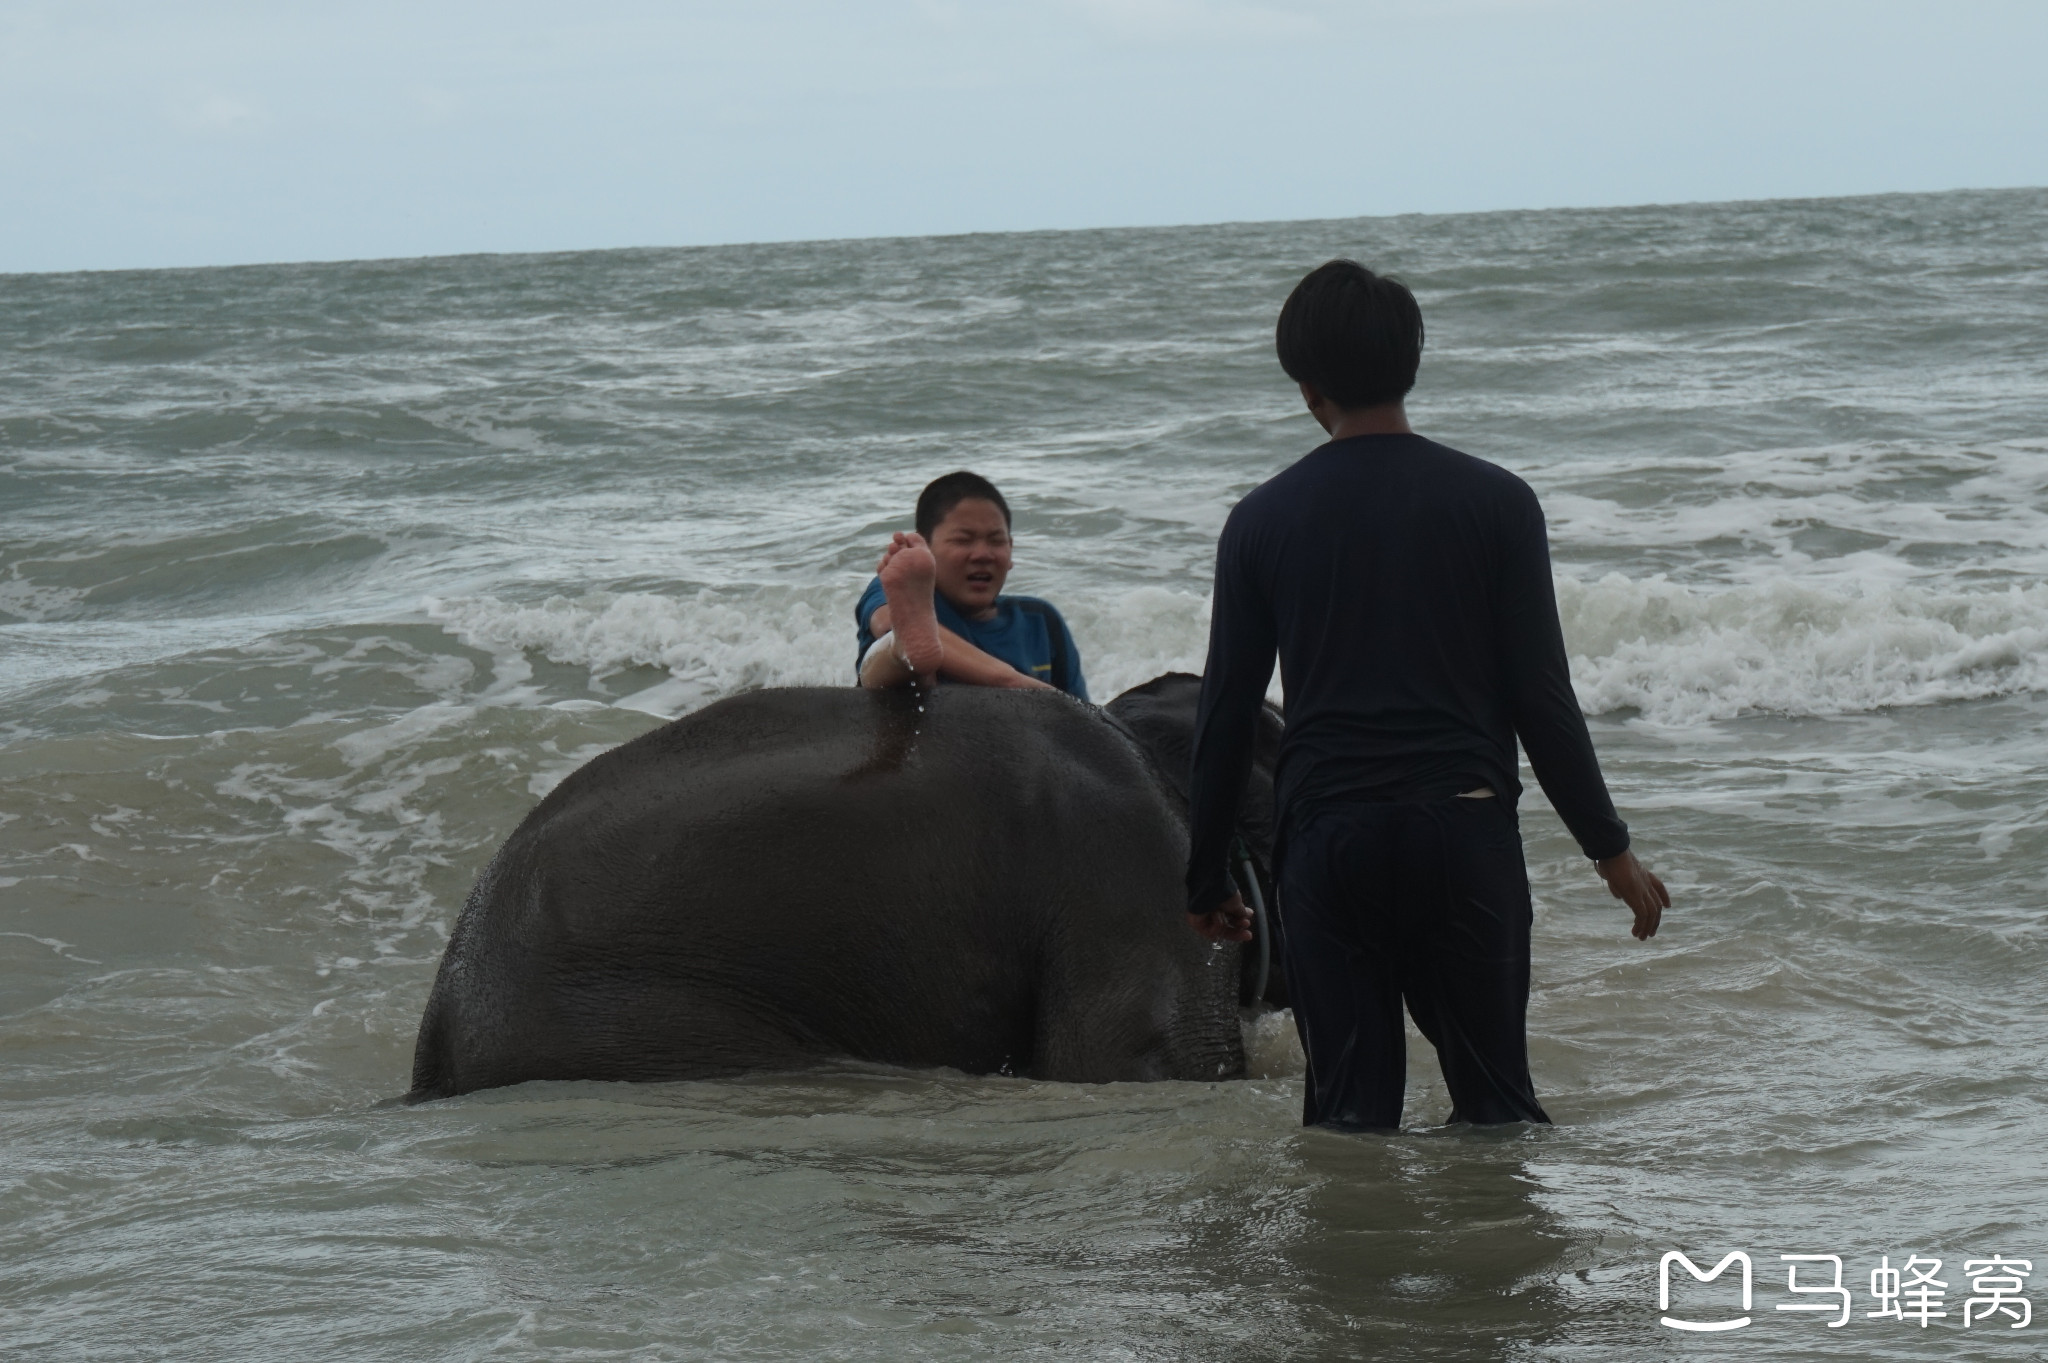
[1631, 882]
[1229, 921]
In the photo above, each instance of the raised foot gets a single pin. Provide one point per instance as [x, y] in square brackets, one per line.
[908, 572]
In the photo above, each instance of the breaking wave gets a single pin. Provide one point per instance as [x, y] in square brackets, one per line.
[1680, 655]
[714, 642]
[711, 643]
[1675, 654]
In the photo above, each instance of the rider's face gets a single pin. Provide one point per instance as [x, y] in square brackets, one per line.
[972, 546]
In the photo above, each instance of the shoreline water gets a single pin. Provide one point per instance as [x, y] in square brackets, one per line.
[313, 580]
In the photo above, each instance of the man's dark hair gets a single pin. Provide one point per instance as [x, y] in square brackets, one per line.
[1352, 335]
[941, 495]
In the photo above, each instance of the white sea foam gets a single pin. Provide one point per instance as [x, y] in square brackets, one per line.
[1685, 655]
[1853, 514]
[714, 642]
[36, 602]
[1678, 654]
[1272, 1046]
[1130, 637]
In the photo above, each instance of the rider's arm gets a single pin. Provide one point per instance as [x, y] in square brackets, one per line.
[964, 662]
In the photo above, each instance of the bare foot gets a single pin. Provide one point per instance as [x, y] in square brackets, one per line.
[908, 571]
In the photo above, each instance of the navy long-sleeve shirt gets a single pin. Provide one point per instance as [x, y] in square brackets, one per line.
[1406, 590]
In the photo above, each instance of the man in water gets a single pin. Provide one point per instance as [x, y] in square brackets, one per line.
[1406, 589]
[936, 609]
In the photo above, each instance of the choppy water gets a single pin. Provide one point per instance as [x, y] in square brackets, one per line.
[312, 578]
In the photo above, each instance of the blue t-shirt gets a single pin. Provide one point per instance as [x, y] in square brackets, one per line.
[1025, 632]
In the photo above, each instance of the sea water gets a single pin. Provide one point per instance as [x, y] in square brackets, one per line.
[313, 578]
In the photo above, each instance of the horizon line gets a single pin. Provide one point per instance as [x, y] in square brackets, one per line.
[286, 263]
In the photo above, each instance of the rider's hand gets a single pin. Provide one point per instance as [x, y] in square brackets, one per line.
[1229, 921]
[1631, 882]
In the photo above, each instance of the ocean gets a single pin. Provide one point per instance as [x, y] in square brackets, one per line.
[313, 578]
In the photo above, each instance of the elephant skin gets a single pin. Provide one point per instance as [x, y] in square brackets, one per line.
[980, 879]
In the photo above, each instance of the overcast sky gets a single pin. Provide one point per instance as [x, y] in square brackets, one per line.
[198, 132]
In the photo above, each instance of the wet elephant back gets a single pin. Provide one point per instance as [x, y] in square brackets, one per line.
[796, 873]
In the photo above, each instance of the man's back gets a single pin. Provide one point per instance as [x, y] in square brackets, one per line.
[1381, 561]
[1406, 588]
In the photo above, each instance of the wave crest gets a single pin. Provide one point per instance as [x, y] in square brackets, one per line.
[1684, 656]
[1678, 655]
[711, 642]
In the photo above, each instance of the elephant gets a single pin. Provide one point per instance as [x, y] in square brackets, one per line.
[956, 876]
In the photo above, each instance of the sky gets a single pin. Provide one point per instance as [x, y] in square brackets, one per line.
[211, 132]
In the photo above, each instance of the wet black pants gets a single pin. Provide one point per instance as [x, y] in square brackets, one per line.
[1427, 903]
